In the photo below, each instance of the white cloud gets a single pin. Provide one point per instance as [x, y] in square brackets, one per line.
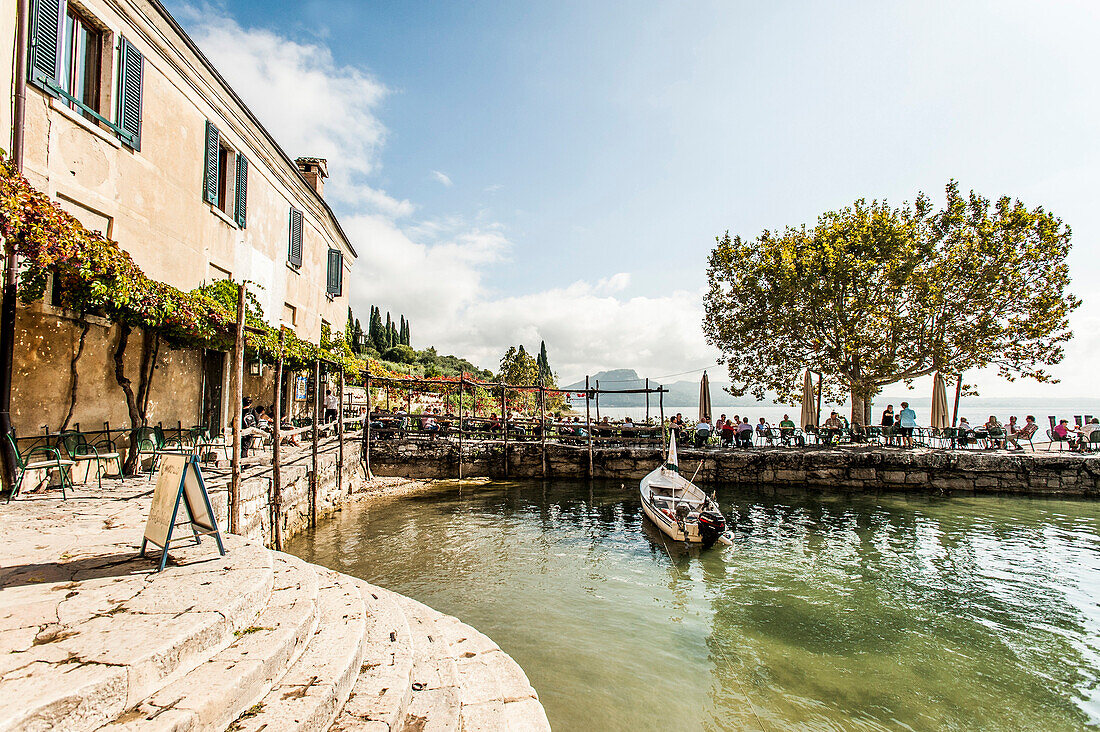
[442, 178]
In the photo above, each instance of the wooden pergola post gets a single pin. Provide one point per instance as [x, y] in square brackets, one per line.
[276, 459]
[340, 432]
[597, 400]
[588, 424]
[647, 401]
[366, 428]
[542, 424]
[504, 422]
[461, 381]
[236, 392]
[958, 394]
[313, 482]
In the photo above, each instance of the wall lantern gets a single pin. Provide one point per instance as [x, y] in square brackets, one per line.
[254, 368]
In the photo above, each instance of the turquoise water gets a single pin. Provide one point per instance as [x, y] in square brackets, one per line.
[829, 612]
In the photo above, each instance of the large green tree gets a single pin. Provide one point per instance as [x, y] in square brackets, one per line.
[875, 294]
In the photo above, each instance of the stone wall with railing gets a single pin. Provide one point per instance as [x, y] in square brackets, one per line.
[849, 469]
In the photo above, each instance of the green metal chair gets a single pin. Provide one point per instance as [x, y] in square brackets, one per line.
[56, 463]
[80, 450]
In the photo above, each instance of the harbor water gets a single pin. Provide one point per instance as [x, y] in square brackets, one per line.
[841, 612]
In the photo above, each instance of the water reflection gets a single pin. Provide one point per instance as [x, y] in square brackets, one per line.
[885, 612]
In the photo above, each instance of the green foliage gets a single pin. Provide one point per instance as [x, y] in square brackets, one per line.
[399, 354]
[873, 295]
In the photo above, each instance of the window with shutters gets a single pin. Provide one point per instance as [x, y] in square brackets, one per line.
[294, 243]
[70, 56]
[335, 284]
[225, 177]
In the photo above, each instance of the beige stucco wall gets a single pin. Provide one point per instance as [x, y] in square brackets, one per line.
[47, 339]
[150, 201]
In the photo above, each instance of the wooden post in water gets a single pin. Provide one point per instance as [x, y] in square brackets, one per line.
[236, 392]
[340, 432]
[276, 459]
[958, 393]
[661, 401]
[588, 423]
[504, 422]
[542, 424]
[316, 418]
[597, 400]
[461, 381]
[647, 401]
[366, 427]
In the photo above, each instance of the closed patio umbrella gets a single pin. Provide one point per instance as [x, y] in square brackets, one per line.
[705, 410]
[939, 402]
[809, 409]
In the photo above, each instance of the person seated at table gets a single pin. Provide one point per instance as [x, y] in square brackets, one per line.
[831, 428]
[518, 429]
[1061, 431]
[744, 433]
[858, 432]
[1084, 434]
[289, 439]
[628, 422]
[263, 420]
[702, 432]
[966, 432]
[721, 421]
[1011, 428]
[995, 430]
[728, 432]
[786, 432]
[429, 425]
[763, 429]
[1025, 433]
[251, 434]
[494, 422]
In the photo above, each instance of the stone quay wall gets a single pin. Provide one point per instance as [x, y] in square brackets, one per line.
[844, 469]
[257, 496]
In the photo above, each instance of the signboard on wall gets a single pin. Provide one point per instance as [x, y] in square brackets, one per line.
[301, 387]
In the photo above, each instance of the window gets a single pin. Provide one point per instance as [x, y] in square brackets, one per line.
[290, 314]
[225, 176]
[81, 61]
[69, 57]
[335, 284]
[294, 245]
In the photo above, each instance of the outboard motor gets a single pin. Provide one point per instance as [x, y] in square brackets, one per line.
[711, 526]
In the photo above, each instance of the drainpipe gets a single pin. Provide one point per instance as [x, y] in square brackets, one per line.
[7, 305]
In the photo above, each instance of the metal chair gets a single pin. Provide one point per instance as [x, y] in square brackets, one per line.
[82, 451]
[61, 466]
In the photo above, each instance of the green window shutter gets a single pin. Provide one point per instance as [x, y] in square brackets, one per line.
[129, 93]
[44, 51]
[242, 190]
[294, 252]
[210, 170]
[335, 285]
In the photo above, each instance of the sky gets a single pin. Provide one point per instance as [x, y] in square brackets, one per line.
[514, 172]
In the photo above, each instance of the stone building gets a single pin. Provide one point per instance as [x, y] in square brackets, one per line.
[130, 128]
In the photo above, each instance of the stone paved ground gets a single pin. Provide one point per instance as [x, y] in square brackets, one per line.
[91, 635]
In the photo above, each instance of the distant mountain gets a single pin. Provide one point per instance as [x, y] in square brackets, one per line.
[680, 393]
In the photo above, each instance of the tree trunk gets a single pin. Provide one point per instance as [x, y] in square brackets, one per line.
[136, 403]
[73, 375]
[860, 406]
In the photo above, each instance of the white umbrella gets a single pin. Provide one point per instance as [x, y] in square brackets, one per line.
[705, 410]
[809, 408]
[939, 402]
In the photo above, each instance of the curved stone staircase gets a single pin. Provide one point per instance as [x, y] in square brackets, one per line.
[255, 640]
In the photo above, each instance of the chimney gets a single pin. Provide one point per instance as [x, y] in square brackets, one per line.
[314, 170]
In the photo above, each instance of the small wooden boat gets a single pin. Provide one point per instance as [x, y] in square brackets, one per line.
[680, 508]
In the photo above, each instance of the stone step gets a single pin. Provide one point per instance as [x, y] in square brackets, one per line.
[435, 701]
[314, 689]
[493, 691]
[114, 632]
[384, 687]
[219, 690]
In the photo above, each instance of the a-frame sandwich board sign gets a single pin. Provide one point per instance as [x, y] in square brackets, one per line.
[179, 481]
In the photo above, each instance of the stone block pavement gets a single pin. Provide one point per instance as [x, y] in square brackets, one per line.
[91, 637]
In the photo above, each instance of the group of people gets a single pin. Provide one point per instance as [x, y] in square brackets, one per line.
[737, 431]
[257, 422]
